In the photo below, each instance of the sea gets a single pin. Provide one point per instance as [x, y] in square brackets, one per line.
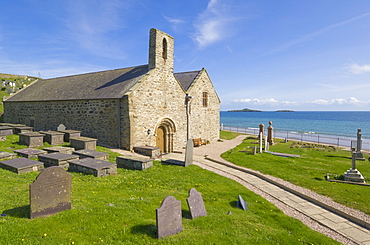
[335, 123]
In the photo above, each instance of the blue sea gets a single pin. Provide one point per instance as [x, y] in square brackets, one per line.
[338, 123]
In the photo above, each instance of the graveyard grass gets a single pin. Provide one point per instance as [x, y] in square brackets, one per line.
[120, 209]
[308, 171]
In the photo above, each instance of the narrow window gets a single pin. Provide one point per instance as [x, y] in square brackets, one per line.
[164, 51]
[205, 99]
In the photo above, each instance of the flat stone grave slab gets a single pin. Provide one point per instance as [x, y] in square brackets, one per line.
[53, 137]
[92, 166]
[22, 129]
[196, 204]
[92, 154]
[7, 155]
[150, 151]
[70, 134]
[169, 217]
[51, 192]
[32, 139]
[6, 130]
[29, 152]
[61, 149]
[22, 165]
[57, 159]
[134, 162]
[282, 154]
[173, 162]
[80, 143]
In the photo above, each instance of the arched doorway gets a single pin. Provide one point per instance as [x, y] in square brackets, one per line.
[164, 135]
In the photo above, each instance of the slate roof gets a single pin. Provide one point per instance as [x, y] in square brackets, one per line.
[111, 84]
[186, 78]
[97, 85]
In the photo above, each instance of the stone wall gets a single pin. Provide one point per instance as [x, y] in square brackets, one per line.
[95, 118]
[157, 98]
[204, 121]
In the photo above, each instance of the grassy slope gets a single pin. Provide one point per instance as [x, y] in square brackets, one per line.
[309, 170]
[135, 196]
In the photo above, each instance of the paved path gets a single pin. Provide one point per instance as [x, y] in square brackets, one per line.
[339, 228]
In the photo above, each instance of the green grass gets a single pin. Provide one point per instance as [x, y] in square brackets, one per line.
[135, 196]
[309, 171]
[228, 135]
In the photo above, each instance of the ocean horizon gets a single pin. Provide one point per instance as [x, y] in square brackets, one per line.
[337, 123]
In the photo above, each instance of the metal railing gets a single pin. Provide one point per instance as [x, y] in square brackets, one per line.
[342, 141]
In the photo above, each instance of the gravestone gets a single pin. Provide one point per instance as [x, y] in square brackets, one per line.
[262, 129]
[50, 193]
[189, 152]
[57, 159]
[134, 162]
[70, 134]
[53, 137]
[261, 141]
[169, 217]
[241, 203]
[7, 155]
[353, 175]
[61, 127]
[270, 133]
[359, 155]
[196, 204]
[60, 149]
[92, 166]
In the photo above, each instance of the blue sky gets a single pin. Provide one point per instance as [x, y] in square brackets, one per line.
[260, 54]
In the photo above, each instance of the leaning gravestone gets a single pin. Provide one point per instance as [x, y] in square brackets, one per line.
[241, 203]
[189, 152]
[169, 217]
[50, 193]
[196, 204]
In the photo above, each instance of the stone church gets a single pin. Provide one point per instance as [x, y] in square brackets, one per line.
[147, 105]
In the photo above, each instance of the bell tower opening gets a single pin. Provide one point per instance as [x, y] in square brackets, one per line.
[161, 48]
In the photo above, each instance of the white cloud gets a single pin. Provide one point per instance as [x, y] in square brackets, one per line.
[358, 69]
[270, 102]
[348, 101]
[213, 24]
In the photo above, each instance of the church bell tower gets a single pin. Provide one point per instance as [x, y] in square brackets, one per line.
[161, 50]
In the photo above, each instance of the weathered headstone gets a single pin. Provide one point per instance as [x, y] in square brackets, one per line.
[359, 155]
[353, 175]
[61, 127]
[196, 204]
[189, 152]
[270, 133]
[50, 193]
[169, 217]
[261, 142]
[241, 203]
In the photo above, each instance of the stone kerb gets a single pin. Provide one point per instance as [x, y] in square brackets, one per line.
[169, 217]
[50, 193]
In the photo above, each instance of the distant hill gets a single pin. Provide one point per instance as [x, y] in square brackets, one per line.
[12, 83]
[245, 110]
[284, 111]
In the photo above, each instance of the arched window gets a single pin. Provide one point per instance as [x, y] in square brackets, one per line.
[164, 46]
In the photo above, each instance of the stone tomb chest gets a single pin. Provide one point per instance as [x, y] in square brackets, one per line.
[51, 192]
[6, 130]
[29, 152]
[32, 139]
[61, 149]
[150, 151]
[70, 134]
[92, 166]
[7, 155]
[57, 159]
[53, 137]
[92, 154]
[22, 165]
[22, 129]
[80, 143]
[134, 162]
